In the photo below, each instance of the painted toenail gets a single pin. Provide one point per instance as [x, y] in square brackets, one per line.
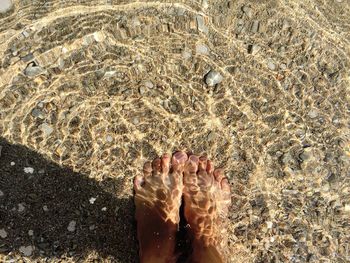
[194, 159]
[180, 157]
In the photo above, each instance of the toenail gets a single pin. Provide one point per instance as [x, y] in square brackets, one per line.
[194, 159]
[180, 156]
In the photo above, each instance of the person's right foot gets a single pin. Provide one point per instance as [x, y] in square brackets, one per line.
[206, 198]
[157, 199]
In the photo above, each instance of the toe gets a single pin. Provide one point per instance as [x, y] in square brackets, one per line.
[157, 166]
[147, 169]
[225, 185]
[165, 163]
[219, 174]
[192, 164]
[210, 167]
[202, 163]
[138, 182]
[178, 161]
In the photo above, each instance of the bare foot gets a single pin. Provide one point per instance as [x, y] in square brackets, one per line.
[207, 198]
[158, 198]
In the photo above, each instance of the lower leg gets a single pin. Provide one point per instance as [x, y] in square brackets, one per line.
[156, 237]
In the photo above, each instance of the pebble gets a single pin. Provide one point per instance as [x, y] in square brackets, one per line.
[271, 65]
[283, 66]
[205, 4]
[92, 200]
[26, 250]
[3, 233]
[46, 128]
[45, 208]
[12, 163]
[135, 120]
[142, 90]
[38, 113]
[201, 25]
[60, 63]
[269, 224]
[347, 208]
[149, 84]
[33, 70]
[109, 74]
[5, 5]
[202, 49]
[247, 10]
[186, 54]
[255, 49]
[28, 170]
[1, 193]
[21, 207]
[30, 232]
[109, 138]
[312, 114]
[211, 136]
[104, 209]
[71, 226]
[213, 78]
[27, 57]
[135, 21]
[255, 26]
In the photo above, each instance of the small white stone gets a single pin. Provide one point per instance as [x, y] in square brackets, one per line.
[12, 163]
[272, 239]
[1, 193]
[109, 74]
[3, 233]
[92, 200]
[109, 138]
[269, 224]
[213, 78]
[5, 5]
[71, 226]
[28, 170]
[347, 208]
[104, 208]
[64, 50]
[201, 24]
[205, 4]
[202, 49]
[149, 84]
[46, 128]
[30, 232]
[20, 207]
[271, 65]
[26, 250]
[98, 36]
[45, 208]
[312, 114]
[186, 54]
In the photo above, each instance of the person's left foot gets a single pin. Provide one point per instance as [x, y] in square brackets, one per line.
[158, 199]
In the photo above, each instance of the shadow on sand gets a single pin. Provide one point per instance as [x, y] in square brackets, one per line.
[49, 213]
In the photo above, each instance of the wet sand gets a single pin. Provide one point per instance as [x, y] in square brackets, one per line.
[99, 87]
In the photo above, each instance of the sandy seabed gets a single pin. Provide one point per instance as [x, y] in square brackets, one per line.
[90, 90]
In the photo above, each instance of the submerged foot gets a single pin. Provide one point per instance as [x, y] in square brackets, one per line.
[207, 199]
[158, 199]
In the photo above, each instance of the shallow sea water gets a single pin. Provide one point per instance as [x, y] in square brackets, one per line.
[103, 86]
